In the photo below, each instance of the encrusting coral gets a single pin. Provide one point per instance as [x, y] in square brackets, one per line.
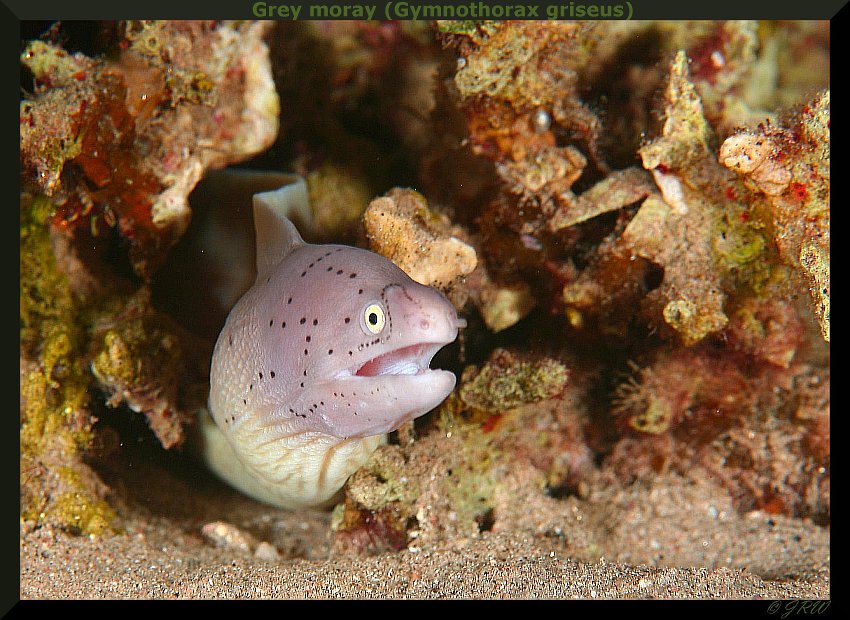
[121, 142]
[633, 217]
[401, 227]
[674, 269]
[111, 147]
[787, 167]
[56, 424]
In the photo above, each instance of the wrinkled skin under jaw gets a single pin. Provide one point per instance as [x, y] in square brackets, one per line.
[305, 470]
[364, 406]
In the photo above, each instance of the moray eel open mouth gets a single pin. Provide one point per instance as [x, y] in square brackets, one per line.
[411, 360]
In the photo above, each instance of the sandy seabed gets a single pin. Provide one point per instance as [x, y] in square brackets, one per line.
[675, 538]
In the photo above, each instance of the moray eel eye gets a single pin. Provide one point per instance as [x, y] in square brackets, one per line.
[373, 319]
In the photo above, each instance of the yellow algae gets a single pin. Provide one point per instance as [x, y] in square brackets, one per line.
[507, 381]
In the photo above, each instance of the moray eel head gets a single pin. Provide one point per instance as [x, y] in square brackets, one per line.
[328, 350]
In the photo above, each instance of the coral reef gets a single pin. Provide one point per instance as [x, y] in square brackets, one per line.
[693, 270]
[401, 227]
[111, 146]
[121, 142]
[513, 411]
[505, 382]
[413, 494]
[691, 182]
[56, 422]
[378, 505]
[632, 216]
[763, 442]
[787, 167]
[137, 359]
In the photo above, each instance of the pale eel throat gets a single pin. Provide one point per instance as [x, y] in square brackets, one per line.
[327, 352]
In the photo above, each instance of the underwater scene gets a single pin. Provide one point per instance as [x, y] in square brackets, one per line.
[425, 309]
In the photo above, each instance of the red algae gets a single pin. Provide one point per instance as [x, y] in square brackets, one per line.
[121, 142]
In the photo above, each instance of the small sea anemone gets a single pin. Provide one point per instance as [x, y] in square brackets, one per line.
[646, 402]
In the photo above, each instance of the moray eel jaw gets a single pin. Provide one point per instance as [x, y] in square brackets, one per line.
[411, 393]
[397, 385]
[410, 360]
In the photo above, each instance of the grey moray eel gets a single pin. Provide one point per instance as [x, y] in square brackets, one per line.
[328, 351]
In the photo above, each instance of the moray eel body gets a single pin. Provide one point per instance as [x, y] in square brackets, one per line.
[327, 351]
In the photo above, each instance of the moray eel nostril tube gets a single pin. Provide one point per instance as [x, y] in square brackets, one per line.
[327, 352]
